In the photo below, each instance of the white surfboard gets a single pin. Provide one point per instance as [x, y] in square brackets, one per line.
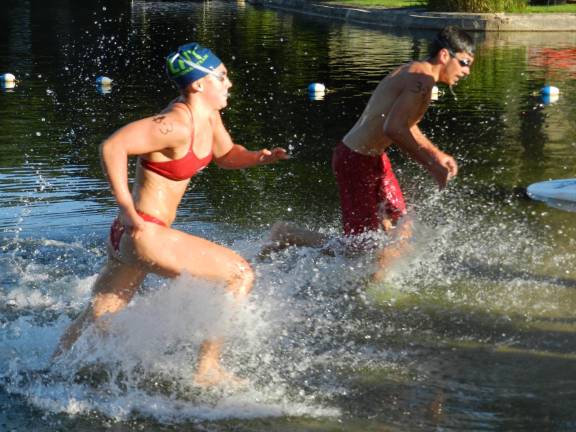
[556, 193]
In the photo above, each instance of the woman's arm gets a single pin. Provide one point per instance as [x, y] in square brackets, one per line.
[239, 157]
[157, 133]
[234, 156]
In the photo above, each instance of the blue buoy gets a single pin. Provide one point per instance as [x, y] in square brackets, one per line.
[316, 88]
[7, 78]
[7, 87]
[103, 81]
[550, 90]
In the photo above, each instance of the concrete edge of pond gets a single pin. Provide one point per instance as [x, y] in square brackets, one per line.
[422, 19]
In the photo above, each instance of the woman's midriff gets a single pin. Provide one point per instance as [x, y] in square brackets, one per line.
[158, 197]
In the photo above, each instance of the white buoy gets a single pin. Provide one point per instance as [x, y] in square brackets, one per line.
[315, 96]
[103, 81]
[317, 87]
[550, 98]
[104, 89]
[7, 85]
[7, 78]
[550, 90]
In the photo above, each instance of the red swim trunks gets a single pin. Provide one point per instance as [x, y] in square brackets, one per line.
[368, 190]
[117, 229]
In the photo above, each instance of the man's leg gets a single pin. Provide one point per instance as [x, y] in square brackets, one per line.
[399, 246]
[285, 234]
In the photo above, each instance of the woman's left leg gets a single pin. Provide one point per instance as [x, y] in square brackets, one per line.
[112, 291]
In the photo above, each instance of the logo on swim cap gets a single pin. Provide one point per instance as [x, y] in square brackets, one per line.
[190, 63]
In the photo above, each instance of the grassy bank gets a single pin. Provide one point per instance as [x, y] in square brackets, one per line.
[565, 8]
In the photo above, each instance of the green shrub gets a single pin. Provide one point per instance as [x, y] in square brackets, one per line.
[478, 6]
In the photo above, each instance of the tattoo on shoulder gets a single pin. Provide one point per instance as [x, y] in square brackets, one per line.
[421, 89]
[164, 126]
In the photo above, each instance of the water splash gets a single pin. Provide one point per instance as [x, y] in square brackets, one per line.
[311, 332]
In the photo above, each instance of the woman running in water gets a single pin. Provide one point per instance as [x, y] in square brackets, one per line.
[172, 147]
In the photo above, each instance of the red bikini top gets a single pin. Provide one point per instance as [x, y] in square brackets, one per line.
[179, 169]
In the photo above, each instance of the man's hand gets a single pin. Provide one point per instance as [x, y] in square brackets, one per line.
[270, 156]
[444, 169]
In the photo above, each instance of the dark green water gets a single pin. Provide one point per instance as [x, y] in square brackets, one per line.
[474, 330]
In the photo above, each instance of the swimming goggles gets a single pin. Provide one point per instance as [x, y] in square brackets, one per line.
[461, 62]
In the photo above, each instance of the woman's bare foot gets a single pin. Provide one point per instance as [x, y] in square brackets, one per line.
[209, 373]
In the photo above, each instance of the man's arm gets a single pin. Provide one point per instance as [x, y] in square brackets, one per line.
[442, 167]
[401, 126]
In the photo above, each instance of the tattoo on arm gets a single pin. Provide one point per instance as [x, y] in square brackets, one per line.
[164, 127]
[421, 89]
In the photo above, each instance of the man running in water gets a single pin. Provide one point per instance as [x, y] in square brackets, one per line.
[370, 196]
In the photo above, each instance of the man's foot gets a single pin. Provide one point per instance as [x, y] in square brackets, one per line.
[285, 234]
[277, 240]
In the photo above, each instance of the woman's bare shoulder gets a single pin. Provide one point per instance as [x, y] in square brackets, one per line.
[175, 119]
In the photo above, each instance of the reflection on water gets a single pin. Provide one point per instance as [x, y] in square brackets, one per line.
[473, 330]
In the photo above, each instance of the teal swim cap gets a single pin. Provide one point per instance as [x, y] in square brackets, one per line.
[190, 63]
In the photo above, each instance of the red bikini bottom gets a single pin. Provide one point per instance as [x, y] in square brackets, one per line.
[117, 229]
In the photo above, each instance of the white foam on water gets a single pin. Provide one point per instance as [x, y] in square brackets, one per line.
[302, 324]
[156, 340]
[245, 405]
[482, 257]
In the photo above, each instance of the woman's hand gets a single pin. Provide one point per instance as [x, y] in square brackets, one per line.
[132, 222]
[270, 156]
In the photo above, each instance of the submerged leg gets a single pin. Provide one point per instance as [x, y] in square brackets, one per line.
[170, 252]
[285, 234]
[400, 244]
[112, 291]
[209, 372]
